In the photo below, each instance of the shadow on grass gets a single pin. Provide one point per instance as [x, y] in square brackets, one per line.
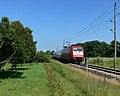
[11, 74]
[21, 69]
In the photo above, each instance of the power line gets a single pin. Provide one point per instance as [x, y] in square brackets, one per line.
[105, 25]
[91, 33]
[100, 23]
[106, 11]
[96, 26]
[90, 23]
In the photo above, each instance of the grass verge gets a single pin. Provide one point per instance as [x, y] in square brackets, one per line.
[85, 86]
[24, 81]
[105, 62]
[52, 79]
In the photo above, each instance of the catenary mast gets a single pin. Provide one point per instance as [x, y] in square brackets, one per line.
[115, 33]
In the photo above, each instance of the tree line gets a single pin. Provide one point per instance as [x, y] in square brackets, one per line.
[96, 48]
[17, 39]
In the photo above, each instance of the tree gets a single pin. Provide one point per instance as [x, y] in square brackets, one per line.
[112, 45]
[92, 48]
[23, 44]
[5, 39]
[52, 52]
[43, 57]
[14, 37]
[104, 49]
[96, 48]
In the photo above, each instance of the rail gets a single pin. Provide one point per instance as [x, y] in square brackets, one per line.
[108, 70]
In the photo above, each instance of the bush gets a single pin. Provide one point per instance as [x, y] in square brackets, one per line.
[42, 57]
[98, 61]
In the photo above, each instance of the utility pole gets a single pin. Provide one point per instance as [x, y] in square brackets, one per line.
[115, 33]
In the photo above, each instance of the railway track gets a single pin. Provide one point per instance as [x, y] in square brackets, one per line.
[102, 71]
[109, 70]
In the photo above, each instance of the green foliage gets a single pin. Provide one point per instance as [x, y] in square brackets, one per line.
[14, 37]
[23, 43]
[58, 84]
[98, 61]
[52, 52]
[99, 49]
[5, 39]
[105, 62]
[43, 57]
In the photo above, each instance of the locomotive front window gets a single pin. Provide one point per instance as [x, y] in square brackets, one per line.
[74, 49]
[77, 49]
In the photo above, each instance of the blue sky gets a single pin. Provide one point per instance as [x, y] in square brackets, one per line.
[53, 21]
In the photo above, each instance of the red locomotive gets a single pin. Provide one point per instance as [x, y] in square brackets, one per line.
[72, 53]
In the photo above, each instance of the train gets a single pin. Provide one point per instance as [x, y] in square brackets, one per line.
[73, 54]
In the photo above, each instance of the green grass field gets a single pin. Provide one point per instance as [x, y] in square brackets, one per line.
[24, 81]
[52, 79]
[105, 62]
[84, 84]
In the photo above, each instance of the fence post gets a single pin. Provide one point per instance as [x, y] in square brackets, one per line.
[86, 61]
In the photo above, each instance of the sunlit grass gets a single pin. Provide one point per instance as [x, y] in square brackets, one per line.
[52, 79]
[32, 81]
[105, 61]
[86, 85]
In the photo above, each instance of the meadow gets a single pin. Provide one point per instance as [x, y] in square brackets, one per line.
[26, 80]
[105, 62]
[53, 79]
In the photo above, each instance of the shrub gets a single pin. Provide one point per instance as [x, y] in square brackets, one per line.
[42, 57]
[98, 61]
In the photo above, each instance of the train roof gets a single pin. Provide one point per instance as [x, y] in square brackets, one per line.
[71, 46]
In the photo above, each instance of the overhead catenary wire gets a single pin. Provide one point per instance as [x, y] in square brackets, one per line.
[102, 16]
[92, 32]
[105, 25]
[91, 27]
[91, 22]
[98, 23]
